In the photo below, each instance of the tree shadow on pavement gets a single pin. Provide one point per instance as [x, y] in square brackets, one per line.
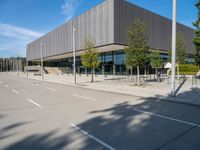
[149, 125]
[5, 132]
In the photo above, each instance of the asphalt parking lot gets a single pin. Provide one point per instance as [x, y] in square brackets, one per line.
[38, 115]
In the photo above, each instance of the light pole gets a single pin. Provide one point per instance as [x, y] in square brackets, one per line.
[74, 55]
[173, 75]
[41, 54]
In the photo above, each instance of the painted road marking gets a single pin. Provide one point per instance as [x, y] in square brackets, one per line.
[92, 137]
[51, 89]
[16, 92]
[168, 118]
[84, 97]
[38, 105]
[6, 85]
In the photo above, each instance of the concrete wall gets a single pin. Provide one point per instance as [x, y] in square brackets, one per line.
[96, 23]
[159, 27]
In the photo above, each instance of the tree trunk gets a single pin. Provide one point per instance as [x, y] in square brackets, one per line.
[92, 72]
[178, 72]
[138, 75]
[156, 73]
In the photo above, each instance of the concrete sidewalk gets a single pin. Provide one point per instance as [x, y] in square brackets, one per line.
[187, 93]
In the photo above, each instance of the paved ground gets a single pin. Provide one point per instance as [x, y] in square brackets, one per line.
[186, 91]
[38, 115]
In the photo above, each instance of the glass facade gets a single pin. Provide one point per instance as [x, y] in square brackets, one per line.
[110, 63]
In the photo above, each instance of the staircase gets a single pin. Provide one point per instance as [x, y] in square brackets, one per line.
[52, 70]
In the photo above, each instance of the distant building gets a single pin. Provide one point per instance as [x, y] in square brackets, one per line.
[107, 25]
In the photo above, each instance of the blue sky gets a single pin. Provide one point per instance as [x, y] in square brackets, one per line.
[22, 21]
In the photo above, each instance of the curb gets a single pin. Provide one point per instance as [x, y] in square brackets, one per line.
[117, 92]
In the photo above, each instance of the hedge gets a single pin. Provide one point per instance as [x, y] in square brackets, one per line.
[188, 69]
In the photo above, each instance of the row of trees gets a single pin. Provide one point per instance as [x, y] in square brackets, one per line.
[137, 52]
[12, 64]
[196, 39]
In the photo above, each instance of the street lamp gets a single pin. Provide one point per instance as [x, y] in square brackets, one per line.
[173, 75]
[41, 54]
[74, 55]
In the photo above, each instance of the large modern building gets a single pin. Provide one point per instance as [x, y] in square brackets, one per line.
[107, 25]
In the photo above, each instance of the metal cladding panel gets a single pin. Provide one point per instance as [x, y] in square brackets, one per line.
[159, 28]
[97, 23]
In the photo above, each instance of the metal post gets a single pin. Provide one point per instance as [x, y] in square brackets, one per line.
[74, 55]
[17, 65]
[7, 65]
[3, 66]
[26, 67]
[173, 76]
[41, 54]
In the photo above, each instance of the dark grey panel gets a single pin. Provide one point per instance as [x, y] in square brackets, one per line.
[159, 27]
[96, 23]
[107, 23]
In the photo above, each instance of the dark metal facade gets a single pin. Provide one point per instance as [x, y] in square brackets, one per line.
[96, 23]
[107, 24]
[159, 28]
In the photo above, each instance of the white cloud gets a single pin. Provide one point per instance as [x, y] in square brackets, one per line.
[17, 32]
[14, 39]
[68, 8]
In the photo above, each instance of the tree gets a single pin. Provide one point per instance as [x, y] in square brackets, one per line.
[90, 57]
[180, 49]
[156, 62]
[196, 39]
[136, 54]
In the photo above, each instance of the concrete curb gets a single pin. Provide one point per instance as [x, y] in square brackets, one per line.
[156, 97]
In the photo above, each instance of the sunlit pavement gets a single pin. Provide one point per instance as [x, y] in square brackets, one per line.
[39, 115]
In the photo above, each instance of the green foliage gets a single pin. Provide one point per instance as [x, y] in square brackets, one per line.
[196, 39]
[156, 61]
[137, 52]
[90, 57]
[188, 69]
[180, 49]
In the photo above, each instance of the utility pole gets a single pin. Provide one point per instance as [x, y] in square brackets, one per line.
[41, 54]
[74, 55]
[173, 75]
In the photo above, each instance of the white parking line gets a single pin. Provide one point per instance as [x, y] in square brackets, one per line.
[51, 89]
[92, 137]
[6, 85]
[84, 97]
[38, 105]
[16, 92]
[168, 118]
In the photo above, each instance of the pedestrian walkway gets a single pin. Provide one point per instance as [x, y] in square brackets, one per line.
[187, 92]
